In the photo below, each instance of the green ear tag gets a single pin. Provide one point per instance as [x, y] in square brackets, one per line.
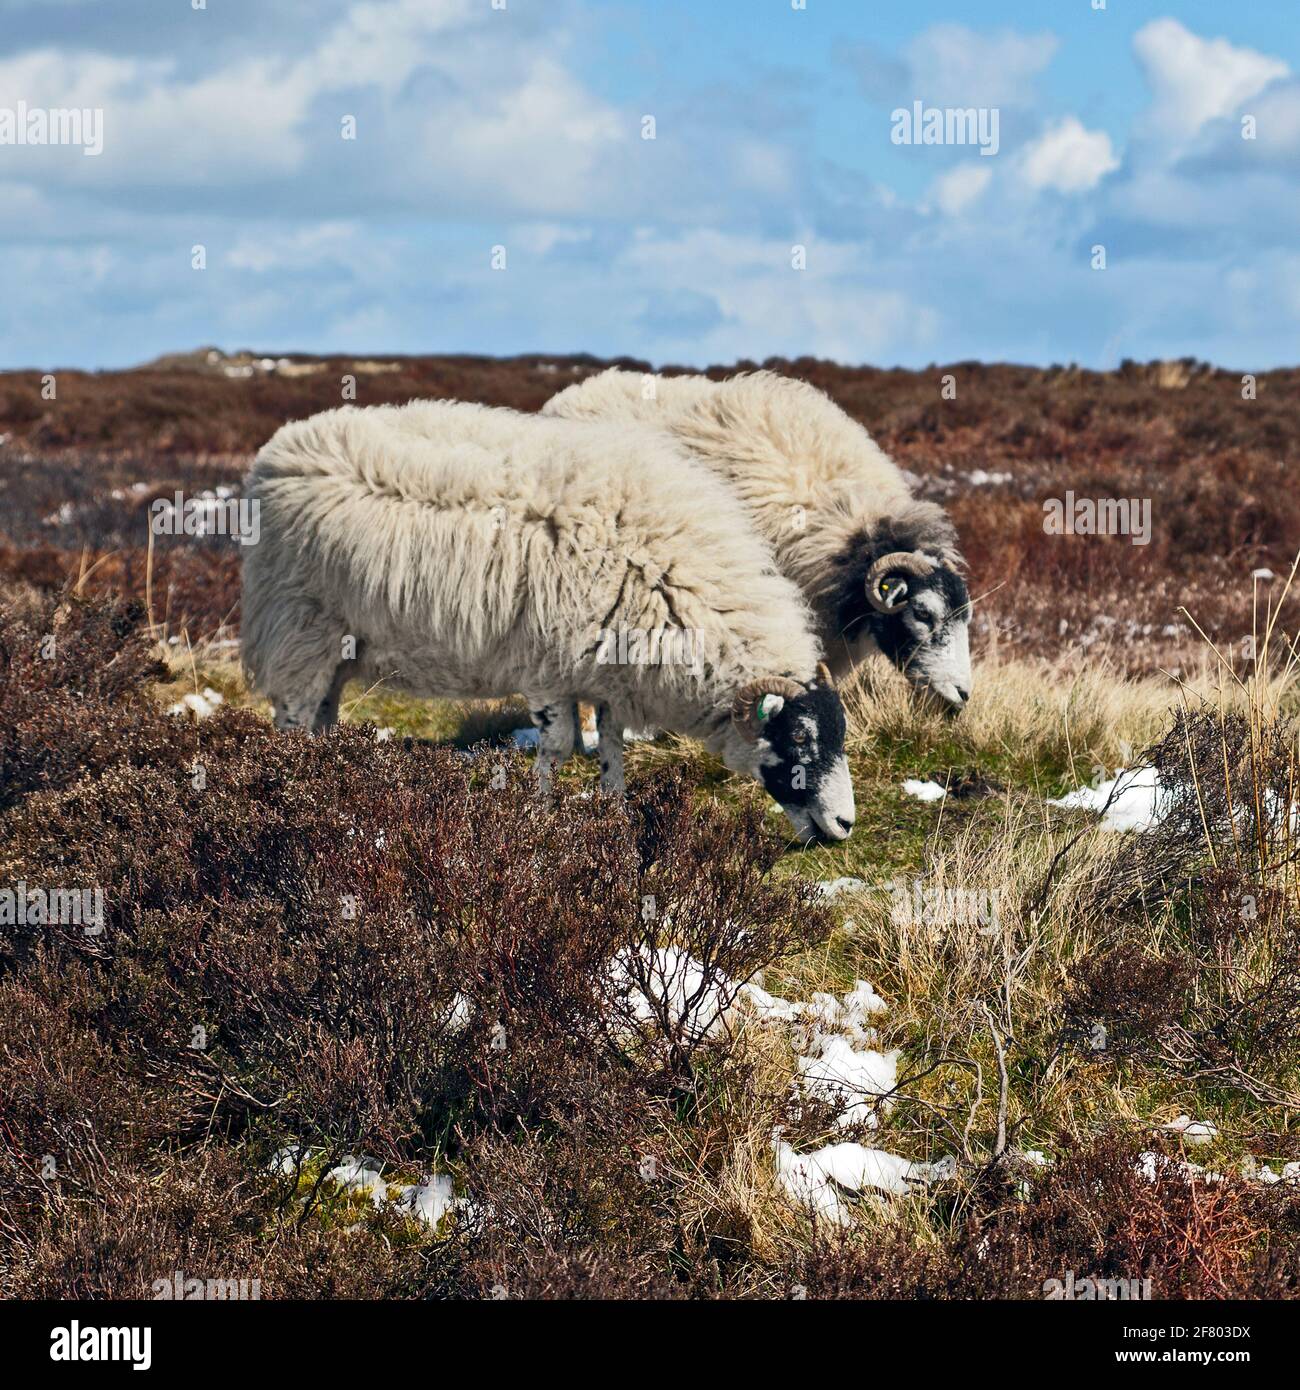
[762, 707]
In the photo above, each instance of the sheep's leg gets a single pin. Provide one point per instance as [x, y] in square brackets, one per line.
[299, 711]
[579, 742]
[327, 712]
[311, 674]
[555, 725]
[609, 731]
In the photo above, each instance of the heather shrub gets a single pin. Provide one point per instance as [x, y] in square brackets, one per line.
[1105, 1212]
[354, 947]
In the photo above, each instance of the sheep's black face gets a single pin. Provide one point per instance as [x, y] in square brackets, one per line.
[801, 762]
[926, 633]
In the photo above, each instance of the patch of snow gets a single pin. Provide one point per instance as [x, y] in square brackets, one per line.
[287, 1161]
[924, 791]
[201, 706]
[459, 1014]
[1289, 1173]
[854, 1079]
[430, 1200]
[767, 1006]
[526, 739]
[384, 734]
[356, 1175]
[1193, 1131]
[828, 1178]
[1139, 801]
[862, 1000]
[979, 478]
[835, 886]
[697, 1006]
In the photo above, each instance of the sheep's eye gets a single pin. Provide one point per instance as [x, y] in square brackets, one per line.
[801, 738]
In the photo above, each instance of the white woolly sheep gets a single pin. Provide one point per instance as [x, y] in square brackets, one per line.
[880, 568]
[453, 550]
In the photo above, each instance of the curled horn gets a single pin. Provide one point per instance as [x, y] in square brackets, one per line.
[824, 675]
[744, 708]
[896, 562]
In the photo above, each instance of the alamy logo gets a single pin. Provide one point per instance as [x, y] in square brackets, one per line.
[39, 125]
[77, 1343]
[1096, 1290]
[218, 513]
[666, 646]
[21, 906]
[180, 1287]
[1101, 516]
[937, 905]
[920, 124]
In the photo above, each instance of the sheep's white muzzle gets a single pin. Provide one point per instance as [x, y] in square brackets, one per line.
[830, 816]
[945, 669]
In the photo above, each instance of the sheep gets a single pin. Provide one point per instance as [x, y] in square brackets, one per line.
[880, 567]
[455, 550]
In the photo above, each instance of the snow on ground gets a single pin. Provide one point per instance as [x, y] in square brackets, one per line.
[698, 1004]
[832, 1064]
[1141, 801]
[833, 888]
[1289, 1173]
[355, 1175]
[201, 706]
[1193, 1131]
[924, 791]
[429, 1200]
[835, 1066]
[827, 1179]
[1131, 800]
[852, 1078]
[285, 1162]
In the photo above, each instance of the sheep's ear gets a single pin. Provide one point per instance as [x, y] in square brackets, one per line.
[893, 591]
[768, 707]
[757, 702]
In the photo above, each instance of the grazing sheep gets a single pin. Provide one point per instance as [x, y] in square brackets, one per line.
[880, 567]
[458, 551]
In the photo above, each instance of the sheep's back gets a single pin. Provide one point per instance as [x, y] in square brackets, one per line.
[490, 530]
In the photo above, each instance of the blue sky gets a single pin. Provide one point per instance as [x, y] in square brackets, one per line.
[480, 127]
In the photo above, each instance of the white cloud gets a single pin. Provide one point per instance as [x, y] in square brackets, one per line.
[303, 248]
[1195, 80]
[541, 238]
[769, 308]
[953, 192]
[952, 65]
[450, 106]
[1068, 157]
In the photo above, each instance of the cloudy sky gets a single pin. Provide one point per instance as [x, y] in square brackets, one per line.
[480, 127]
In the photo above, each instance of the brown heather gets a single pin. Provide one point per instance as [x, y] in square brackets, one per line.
[397, 950]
